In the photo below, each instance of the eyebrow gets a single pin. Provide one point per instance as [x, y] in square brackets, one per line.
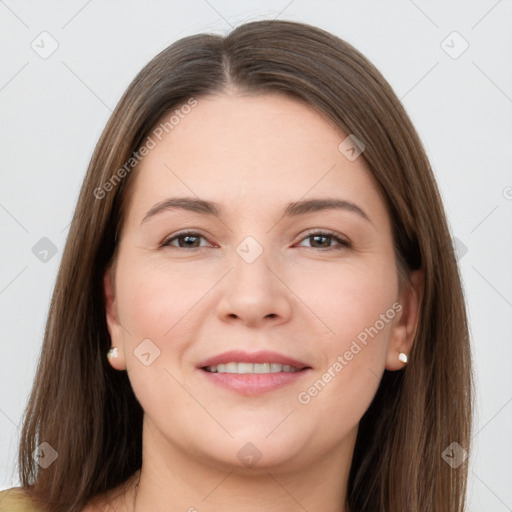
[292, 209]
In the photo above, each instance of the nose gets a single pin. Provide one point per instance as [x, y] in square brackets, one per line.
[255, 293]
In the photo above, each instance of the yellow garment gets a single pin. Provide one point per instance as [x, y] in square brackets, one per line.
[15, 500]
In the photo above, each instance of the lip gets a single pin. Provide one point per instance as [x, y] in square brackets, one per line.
[263, 356]
[250, 384]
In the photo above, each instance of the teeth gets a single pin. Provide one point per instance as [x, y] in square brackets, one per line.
[251, 368]
[240, 368]
[261, 368]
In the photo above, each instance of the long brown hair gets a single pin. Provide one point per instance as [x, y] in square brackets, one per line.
[88, 412]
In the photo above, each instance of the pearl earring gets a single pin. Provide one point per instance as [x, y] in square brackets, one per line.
[403, 357]
[112, 353]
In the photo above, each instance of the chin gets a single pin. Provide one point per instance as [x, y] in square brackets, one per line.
[253, 453]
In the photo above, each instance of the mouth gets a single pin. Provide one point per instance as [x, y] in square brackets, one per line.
[256, 368]
[252, 374]
[264, 361]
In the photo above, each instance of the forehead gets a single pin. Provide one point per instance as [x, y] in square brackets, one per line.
[250, 151]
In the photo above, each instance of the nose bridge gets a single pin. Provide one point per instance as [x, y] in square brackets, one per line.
[252, 261]
[253, 291]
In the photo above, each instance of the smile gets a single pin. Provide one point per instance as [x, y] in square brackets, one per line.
[243, 368]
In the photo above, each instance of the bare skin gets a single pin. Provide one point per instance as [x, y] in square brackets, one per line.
[304, 296]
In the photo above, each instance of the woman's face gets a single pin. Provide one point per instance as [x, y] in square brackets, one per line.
[256, 275]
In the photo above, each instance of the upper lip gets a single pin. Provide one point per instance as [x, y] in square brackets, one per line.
[264, 356]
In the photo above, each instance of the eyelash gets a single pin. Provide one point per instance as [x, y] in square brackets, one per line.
[343, 244]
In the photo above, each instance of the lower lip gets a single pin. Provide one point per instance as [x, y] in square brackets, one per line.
[254, 383]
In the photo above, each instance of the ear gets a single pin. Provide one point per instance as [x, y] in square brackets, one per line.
[406, 322]
[113, 324]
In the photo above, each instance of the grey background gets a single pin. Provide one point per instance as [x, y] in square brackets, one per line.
[53, 109]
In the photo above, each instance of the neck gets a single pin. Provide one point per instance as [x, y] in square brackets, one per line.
[171, 479]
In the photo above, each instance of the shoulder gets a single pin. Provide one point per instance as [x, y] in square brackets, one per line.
[16, 500]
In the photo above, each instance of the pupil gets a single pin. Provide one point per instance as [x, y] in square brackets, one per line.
[316, 237]
[188, 238]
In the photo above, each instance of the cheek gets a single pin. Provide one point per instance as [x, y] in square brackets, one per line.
[155, 299]
[342, 388]
[157, 304]
[351, 300]
[357, 305]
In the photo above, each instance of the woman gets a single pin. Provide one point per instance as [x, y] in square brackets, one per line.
[260, 249]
